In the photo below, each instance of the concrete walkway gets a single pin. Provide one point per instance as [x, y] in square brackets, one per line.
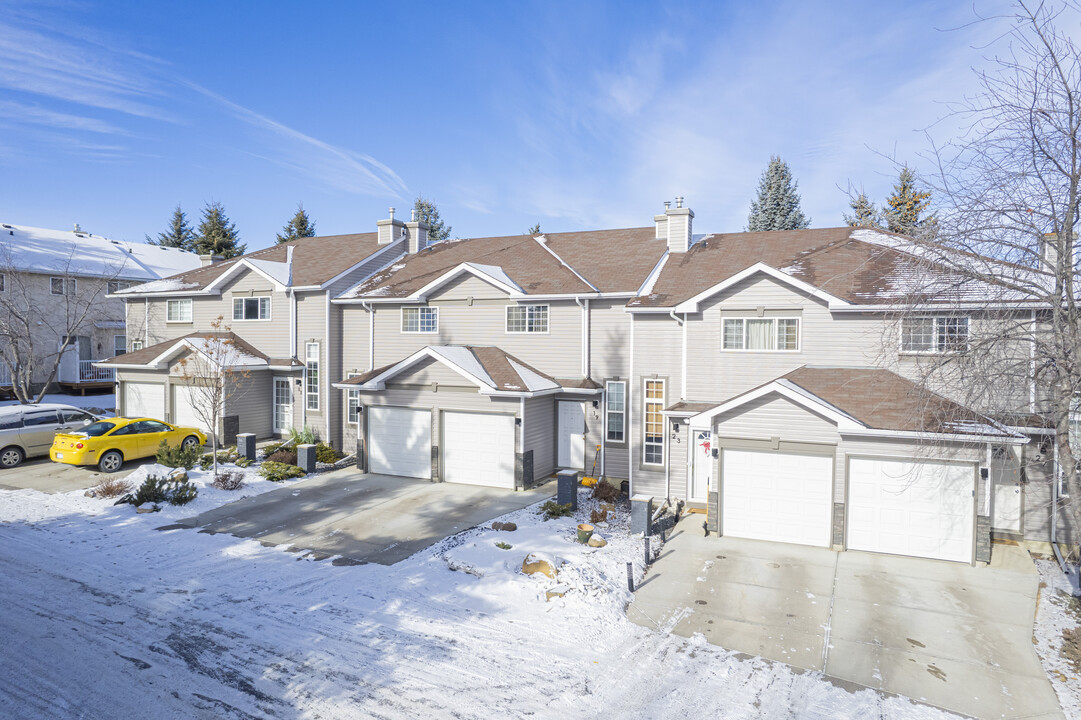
[44, 475]
[947, 634]
[362, 517]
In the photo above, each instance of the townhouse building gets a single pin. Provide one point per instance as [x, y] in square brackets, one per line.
[762, 377]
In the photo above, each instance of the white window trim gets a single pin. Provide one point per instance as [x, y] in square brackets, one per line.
[261, 298]
[352, 396]
[64, 286]
[136, 345]
[3, 282]
[622, 412]
[419, 309]
[646, 401]
[547, 319]
[180, 302]
[934, 335]
[125, 345]
[274, 401]
[308, 394]
[745, 318]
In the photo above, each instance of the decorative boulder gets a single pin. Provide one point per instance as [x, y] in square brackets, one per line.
[147, 508]
[90, 494]
[556, 591]
[504, 526]
[535, 563]
[178, 475]
[597, 541]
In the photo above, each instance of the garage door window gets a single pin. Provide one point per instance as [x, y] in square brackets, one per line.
[653, 427]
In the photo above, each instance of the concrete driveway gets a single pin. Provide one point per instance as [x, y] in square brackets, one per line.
[362, 517]
[49, 477]
[947, 634]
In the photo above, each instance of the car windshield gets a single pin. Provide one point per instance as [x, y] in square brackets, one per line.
[97, 429]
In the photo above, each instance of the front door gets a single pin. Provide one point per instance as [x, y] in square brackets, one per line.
[572, 438]
[1006, 485]
[283, 405]
[702, 462]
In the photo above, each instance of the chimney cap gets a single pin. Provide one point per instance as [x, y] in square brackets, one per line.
[391, 213]
[77, 228]
[679, 201]
[667, 204]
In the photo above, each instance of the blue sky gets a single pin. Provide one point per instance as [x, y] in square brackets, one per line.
[575, 115]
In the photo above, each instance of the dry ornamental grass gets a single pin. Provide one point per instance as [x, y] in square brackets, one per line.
[111, 486]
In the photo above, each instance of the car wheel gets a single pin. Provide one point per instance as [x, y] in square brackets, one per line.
[189, 442]
[110, 461]
[11, 456]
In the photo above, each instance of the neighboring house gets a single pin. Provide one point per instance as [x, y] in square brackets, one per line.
[55, 283]
[763, 377]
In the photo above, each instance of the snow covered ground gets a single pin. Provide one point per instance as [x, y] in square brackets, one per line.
[103, 616]
[94, 402]
[1057, 612]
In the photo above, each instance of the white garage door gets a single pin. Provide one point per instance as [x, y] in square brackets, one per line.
[400, 441]
[777, 496]
[478, 449]
[144, 400]
[183, 409]
[923, 509]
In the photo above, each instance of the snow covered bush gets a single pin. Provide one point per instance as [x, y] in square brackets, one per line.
[175, 456]
[229, 480]
[552, 510]
[206, 462]
[156, 489]
[277, 471]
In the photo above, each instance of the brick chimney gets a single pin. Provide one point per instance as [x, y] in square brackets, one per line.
[390, 230]
[677, 222]
[417, 232]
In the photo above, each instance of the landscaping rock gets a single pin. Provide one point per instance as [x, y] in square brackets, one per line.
[535, 563]
[608, 507]
[504, 526]
[147, 508]
[90, 494]
[179, 475]
[556, 591]
[597, 541]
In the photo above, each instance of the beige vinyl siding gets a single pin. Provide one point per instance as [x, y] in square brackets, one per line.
[353, 342]
[428, 371]
[539, 429]
[678, 457]
[252, 399]
[658, 346]
[1037, 476]
[609, 333]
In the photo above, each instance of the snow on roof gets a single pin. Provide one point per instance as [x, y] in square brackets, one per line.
[496, 273]
[30, 249]
[278, 271]
[464, 358]
[223, 352]
[532, 380]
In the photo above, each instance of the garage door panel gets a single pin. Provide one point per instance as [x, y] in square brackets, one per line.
[144, 400]
[400, 441]
[184, 410]
[777, 496]
[923, 509]
[478, 449]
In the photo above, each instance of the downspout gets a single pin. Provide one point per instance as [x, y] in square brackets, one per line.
[1054, 495]
[521, 437]
[371, 334]
[326, 373]
[146, 322]
[630, 416]
[292, 323]
[604, 426]
[1032, 368]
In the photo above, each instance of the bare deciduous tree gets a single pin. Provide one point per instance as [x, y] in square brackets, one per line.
[215, 374]
[42, 311]
[1003, 251]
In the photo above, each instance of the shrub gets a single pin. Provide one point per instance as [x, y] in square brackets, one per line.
[229, 480]
[272, 448]
[307, 436]
[243, 462]
[598, 516]
[278, 471]
[503, 546]
[175, 456]
[605, 491]
[206, 462]
[156, 489]
[326, 454]
[552, 510]
[288, 457]
[111, 486]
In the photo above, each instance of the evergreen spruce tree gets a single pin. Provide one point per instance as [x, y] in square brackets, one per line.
[300, 226]
[428, 213]
[533, 230]
[777, 205]
[906, 204]
[864, 213]
[179, 234]
[216, 235]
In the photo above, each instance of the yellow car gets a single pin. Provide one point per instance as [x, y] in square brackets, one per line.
[108, 443]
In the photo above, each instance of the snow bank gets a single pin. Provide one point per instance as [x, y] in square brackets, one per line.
[1057, 612]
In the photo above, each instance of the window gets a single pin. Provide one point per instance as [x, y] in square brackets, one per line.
[311, 375]
[98, 429]
[653, 427]
[115, 286]
[120, 344]
[74, 416]
[136, 345]
[616, 411]
[761, 334]
[3, 282]
[251, 308]
[152, 426]
[934, 334]
[420, 320]
[352, 403]
[527, 318]
[178, 311]
[41, 417]
[62, 286]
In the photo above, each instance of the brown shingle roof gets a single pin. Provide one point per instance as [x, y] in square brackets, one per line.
[315, 260]
[610, 260]
[148, 354]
